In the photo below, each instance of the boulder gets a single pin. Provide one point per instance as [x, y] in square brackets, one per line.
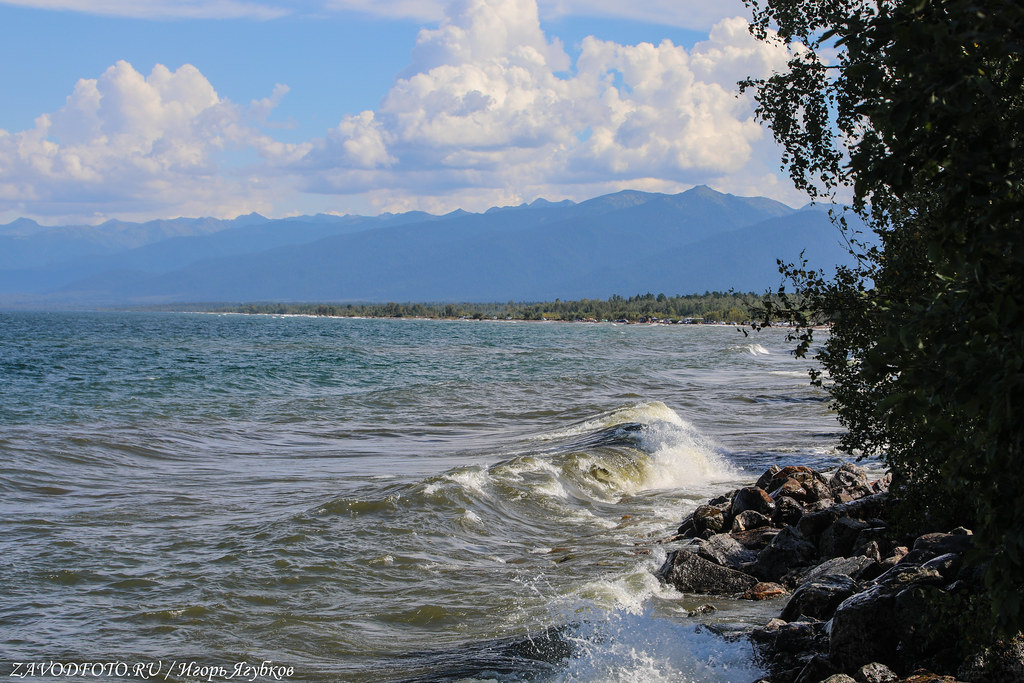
[708, 518]
[689, 573]
[857, 568]
[863, 508]
[838, 539]
[940, 544]
[947, 565]
[725, 550]
[755, 539]
[750, 519]
[817, 669]
[839, 678]
[765, 591]
[875, 672]
[849, 482]
[788, 551]
[765, 479]
[787, 511]
[752, 498]
[820, 597]
[786, 647]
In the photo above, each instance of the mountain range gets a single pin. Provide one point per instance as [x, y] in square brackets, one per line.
[623, 243]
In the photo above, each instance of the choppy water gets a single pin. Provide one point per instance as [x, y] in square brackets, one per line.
[378, 500]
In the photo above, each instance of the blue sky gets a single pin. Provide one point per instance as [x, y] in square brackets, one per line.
[139, 109]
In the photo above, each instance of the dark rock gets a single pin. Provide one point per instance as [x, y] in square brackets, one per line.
[689, 573]
[857, 568]
[817, 669]
[786, 647]
[872, 542]
[940, 544]
[820, 597]
[703, 609]
[787, 511]
[708, 518]
[947, 565]
[875, 672]
[867, 628]
[789, 550]
[838, 539]
[765, 591]
[765, 479]
[863, 508]
[687, 528]
[1002, 662]
[725, 550]
[752, 498]
[750, 519]
[755, 539]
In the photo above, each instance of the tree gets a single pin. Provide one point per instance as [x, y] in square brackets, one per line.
[919, 115]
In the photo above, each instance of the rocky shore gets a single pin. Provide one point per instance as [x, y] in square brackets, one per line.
[860, 603]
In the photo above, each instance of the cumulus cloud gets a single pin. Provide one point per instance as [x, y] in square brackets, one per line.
[490, 108]
[490, 111]
[129, 144]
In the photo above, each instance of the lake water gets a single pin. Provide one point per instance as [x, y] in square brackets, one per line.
[377, 500]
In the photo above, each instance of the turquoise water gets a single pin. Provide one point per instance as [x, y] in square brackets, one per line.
[378, 500]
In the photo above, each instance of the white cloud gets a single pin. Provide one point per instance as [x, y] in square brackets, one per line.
[127, 144]
[491, 110]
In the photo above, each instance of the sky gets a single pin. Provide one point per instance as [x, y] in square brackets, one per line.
[143, 109]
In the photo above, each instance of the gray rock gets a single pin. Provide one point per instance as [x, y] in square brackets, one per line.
[788, 551]
[875, 672]
[854, 567]
[725, 550]
[863, 630]
[850, 482]
[820, 597]
[947, 565]
[689, 573]
[755, 539]
[840, 678]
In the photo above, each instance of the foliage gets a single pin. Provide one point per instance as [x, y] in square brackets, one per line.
[710, 307]
[916, 107]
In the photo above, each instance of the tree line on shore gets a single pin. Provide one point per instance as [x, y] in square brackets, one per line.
[709, 307]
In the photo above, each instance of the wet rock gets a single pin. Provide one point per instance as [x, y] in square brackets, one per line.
[750, 519]
[708, 518]
[765, 479]
[785, 647]
[755, 539]
[857, 568]
[820, 597]
[875, 672]
[789, 550]
[725, 550]
[787, 511]
[765, 591]
[752, 498]
[703, 609]
[689, 573]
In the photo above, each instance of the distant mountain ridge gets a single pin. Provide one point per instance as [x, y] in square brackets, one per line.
[621, 243]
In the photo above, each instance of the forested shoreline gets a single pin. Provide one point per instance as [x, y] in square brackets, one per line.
[707, 308]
